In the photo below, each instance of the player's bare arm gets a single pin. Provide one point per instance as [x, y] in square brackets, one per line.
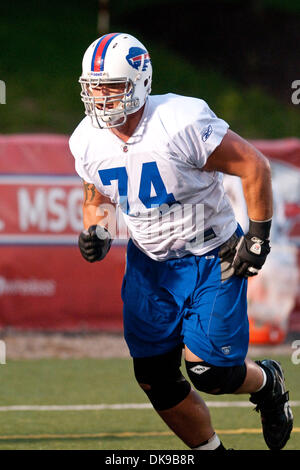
[95, 241]
[93, 206]
[235, 156]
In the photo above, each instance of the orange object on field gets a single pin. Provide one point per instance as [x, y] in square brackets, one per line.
[265, 333]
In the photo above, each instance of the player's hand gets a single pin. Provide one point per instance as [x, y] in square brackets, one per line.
[94, 243]
[246, 255]
[251, 254]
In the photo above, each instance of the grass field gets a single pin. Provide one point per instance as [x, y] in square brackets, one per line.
[69, 382]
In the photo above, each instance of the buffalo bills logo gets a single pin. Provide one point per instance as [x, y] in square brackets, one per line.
[136, 57]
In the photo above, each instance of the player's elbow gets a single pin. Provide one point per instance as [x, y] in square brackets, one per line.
[257, 167]
[263, 166]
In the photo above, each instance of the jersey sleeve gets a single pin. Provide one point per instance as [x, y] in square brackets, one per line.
[202, 135]
[77, 143]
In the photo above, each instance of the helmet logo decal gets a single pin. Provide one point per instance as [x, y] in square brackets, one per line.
[100, 51]
[136, 57]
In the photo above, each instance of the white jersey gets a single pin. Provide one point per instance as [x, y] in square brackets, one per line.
[171, 207]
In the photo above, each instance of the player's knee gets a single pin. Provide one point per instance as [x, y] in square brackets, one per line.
[165, 395]
[161, 379]
[214, 379]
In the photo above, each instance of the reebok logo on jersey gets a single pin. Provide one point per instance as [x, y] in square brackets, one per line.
[207, 131]
[199, 369]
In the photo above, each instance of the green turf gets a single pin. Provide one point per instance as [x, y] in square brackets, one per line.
[92, 381]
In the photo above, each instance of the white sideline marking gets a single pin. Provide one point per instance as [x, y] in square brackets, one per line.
[125, 406]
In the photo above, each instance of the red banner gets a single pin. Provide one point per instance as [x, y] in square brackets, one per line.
[44, 281]
[41, 209]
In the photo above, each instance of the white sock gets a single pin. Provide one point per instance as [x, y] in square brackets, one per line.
[211, 444]
[264, 381]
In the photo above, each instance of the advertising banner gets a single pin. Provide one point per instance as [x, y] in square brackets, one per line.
[44, 281]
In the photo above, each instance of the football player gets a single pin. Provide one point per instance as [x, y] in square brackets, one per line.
[160, 159]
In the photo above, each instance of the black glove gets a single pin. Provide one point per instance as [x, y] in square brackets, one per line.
[94, 243]
[246, 255]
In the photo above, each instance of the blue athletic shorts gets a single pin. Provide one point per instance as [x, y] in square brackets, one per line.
[184, 301]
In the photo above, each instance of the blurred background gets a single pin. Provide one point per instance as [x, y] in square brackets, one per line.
[241, 57]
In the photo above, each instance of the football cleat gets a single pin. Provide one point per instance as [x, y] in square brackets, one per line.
[275, 412]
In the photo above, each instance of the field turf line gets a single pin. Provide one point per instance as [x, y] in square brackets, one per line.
[122, 434]
[123, 406]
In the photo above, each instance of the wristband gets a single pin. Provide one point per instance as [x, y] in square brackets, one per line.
[260, 229]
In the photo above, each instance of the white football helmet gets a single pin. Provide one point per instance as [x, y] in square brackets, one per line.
[119, 61]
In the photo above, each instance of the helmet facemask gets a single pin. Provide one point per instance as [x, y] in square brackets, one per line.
[108, 110]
